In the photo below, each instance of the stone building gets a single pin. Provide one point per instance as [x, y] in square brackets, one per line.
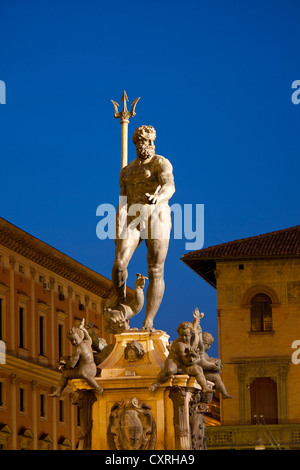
[43, 293]
[257, 280]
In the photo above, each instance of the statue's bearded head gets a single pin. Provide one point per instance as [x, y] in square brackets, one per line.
[143, 139]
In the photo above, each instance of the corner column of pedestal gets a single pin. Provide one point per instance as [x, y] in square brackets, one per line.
[180, 398]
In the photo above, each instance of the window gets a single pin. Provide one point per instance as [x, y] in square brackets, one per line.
[261, 313]
[21, 327]
[61, 411]
[22, 397]
[78, 416]
[42, 335]
[60, 340]
[42, 405]
[61, 294]
[42, 332]
[25, 437]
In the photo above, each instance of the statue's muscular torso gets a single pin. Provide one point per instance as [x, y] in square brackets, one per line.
[140, 177]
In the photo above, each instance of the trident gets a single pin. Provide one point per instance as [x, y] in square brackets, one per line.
[124, 115]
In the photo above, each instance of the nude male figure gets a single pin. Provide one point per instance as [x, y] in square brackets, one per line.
[147, 180]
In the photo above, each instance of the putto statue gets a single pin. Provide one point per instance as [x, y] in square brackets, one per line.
[211, 373]
[186, 355]
[147, 184]
[81, 365]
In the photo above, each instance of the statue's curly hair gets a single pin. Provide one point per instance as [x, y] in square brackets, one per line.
[185, 325]
[75, 330]
[207, 337]
[142, 132]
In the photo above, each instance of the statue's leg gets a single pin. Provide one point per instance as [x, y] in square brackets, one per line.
[170, 369]
[91, 381]
[197, 371]
[157, 252]
[63, 382]
[216, 378]
[124, 251]
[157, 244]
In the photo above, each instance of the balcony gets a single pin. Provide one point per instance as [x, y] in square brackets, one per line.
[246, 437]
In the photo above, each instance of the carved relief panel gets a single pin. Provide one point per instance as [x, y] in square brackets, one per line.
[131, 426]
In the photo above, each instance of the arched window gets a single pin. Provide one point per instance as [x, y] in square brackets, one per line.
[261, 313]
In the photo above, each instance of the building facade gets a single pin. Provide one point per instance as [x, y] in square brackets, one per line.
[257, 281]
[43, 293]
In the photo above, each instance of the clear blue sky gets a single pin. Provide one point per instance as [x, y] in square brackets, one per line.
[214, 80]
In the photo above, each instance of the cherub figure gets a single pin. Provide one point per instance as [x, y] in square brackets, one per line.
[213, 375]
[81, 364]
[198, 350]
[185, 355]
[210, 365]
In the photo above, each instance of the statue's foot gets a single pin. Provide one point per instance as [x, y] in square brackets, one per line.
[99, 390]
[148, 327]
[226, 395]
[55, 394]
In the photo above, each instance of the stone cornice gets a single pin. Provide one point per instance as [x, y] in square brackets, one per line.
[48, 257]
[30, 370]
[262, 360]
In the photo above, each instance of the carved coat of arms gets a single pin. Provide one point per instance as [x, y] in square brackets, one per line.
[131, 426]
